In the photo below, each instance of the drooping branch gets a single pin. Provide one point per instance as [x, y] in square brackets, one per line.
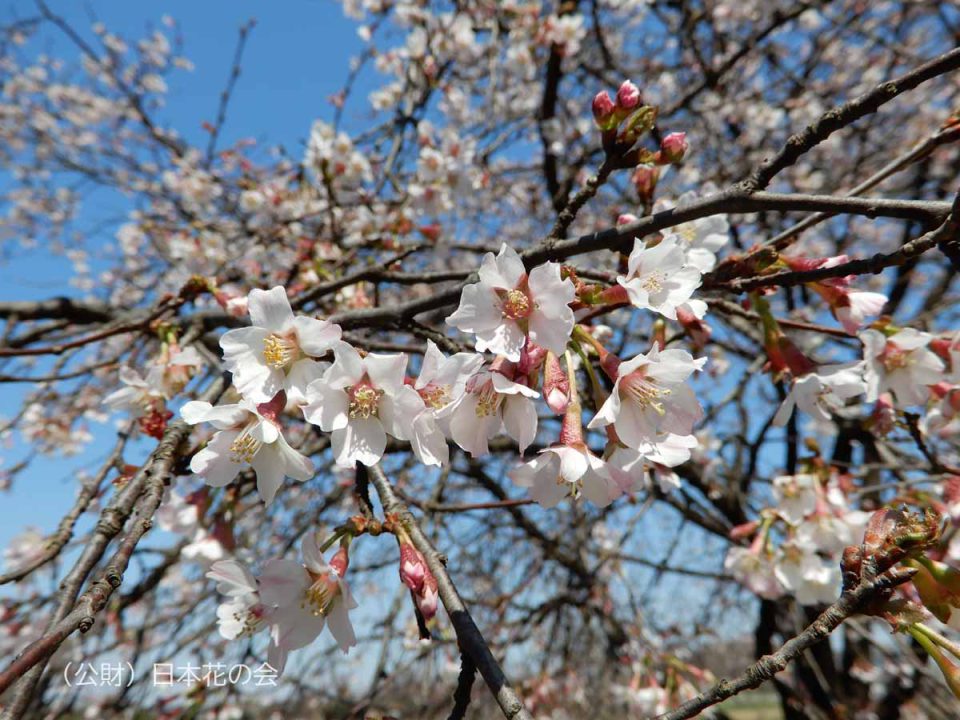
[468, 634]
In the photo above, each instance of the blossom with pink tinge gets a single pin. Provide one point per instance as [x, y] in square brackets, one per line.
[264, 358]
[507, 306]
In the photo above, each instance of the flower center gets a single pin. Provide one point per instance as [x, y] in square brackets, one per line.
[364, 400]
[244, 447]
[644, 392]
[250, 618]
[688, 231]
[278, 351]
[320, 595]
[654, 281]
[435, 396]
[894, 358]
[516, 305]
[488, 400]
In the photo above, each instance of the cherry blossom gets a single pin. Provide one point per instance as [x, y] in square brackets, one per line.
[822, 393]
[812, 580]
[440, 385]
[358, 401]
[492, 403]
[650, 397]
[659, 278]
[508, 305]
[702, 238]
[562, 470]
[264, 358]
[754, 568]
[243, 614]
[247, 434]
[901, 363]
[305, 598]
[796, 496]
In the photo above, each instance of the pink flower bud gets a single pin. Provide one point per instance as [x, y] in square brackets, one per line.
[803, 263]
[603, 110]
[236, 306]
[883, 418]
[794, 358]
[413, 569]
[556, 385]
[626, 219]
[415, 574]
[645, 179]
[744, 530]
[673, 147]
[428, 599]
[628, 96]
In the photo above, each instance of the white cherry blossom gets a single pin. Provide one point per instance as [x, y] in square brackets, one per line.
[754, 569]
[559, 471]
[358, 401]
[508, 305]
[656, 456]
[659, 278]
[651, 398]
[822, 393]
[701, 238]
[812, 580]
[304, 598]
[440, 385]
[856, 306]
[264, 358]
[901, 363]
[247, 434]
[243, 613]
[492, 403]
[795, 496]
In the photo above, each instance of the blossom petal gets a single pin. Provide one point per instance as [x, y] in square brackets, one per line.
[386, 371]
[283, 582]
[520, 420]
[329, 407]
[338, 620]
[316, 337]
[363, 440]
[214, 463]
[232, 578]
[270, 309]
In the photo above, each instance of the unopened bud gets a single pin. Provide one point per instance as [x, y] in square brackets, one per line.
[415, 574]
[744, 530]
[883, 417]
[628, 96]
[604, 111]
[341, 559]
[556, 385]
[645, 179]
[673, 147]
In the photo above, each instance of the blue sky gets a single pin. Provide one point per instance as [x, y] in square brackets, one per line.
[296, 57]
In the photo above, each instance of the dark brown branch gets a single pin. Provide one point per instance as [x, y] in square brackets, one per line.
[840, 117]
[468, 634]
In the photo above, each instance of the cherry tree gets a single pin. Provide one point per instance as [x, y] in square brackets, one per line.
[632, 322]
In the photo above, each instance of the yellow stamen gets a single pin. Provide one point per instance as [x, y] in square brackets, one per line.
[278, 352]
